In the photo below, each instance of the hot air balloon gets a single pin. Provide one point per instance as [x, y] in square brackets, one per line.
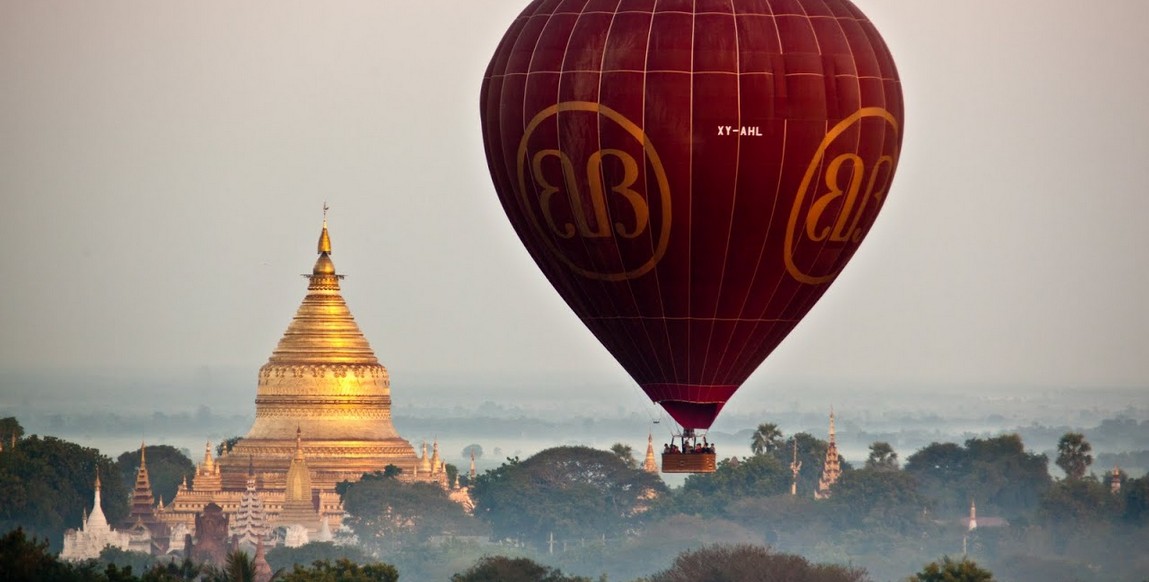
[691, 176]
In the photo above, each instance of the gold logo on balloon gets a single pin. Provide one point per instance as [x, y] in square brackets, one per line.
[833, 215]
[579, 203]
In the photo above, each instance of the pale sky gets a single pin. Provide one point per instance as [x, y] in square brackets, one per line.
[163, 167]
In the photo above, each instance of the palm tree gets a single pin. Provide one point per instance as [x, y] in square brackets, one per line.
[1073, 455]
[767, 439]
[882, 457]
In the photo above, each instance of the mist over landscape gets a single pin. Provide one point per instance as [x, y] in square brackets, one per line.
[165, 169]
[522, 416]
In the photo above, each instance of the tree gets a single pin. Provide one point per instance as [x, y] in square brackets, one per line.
[767, 439]
[997, 470]
[504, 569]
[281, 557]
[343, 571]
[625, 453]
[389, 514]
[1073, 455]
[47, 484]
[747, 562]
[10, 430]
[572, 492]
[1077, 501]
[1005, 475]
[22, 558]
[882, 457]
[705, 493]
[237, 568]
[949, 570]
[167, 468]
[126, 559]
[474, 448]
[874, 498]
[226, 445]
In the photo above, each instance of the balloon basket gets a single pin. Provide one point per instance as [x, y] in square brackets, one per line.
[688, 463]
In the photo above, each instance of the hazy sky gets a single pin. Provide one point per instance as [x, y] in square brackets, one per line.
[163, 166]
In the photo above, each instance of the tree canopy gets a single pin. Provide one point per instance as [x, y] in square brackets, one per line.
[504, 569]
[571, 492]
[47, 485]
[1073, 455]
[767, 439]
[748, 562]
[950, 570]
[998, 472]
[882, 457]
[386, 513]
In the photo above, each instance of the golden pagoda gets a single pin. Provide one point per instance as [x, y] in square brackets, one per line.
[324, 381]
[322, 415]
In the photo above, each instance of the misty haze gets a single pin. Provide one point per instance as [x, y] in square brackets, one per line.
[536, 280]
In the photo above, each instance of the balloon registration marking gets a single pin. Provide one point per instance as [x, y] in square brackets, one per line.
[845, 228]
[549, 194]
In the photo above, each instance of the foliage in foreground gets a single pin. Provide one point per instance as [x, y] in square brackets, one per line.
[504, 569]
[950, 570]
[748, 562]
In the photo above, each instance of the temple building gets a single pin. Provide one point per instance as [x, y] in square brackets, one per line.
[832, 468]
[94, 534]
[148, 532]
[324, 379]
[322, 415]
[249, 526]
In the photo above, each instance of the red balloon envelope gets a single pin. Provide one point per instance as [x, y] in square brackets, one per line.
[691, 176]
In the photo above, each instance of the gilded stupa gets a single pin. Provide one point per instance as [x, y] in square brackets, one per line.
[324, 382]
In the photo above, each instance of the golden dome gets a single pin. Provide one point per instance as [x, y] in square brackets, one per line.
[323, 265]
[323, 331]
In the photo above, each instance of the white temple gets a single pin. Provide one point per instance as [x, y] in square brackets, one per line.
[250, 523]
[94, 534]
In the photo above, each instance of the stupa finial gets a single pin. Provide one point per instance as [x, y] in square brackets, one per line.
[324, 239]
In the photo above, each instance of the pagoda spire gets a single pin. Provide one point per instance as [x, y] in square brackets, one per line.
[425, 461]
[324, 246]
[143, 500]
[972, 515]
[649, 464]
[832, 468]
[471, 474]
[795, 468]
[96, 519]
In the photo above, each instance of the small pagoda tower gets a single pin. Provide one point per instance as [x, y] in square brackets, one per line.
[143, 500]
[471, 473]
[94, 534]
[1115, 480]
[649, 464]
[436, 460]
[207, 479]
[262, 569]
[972, 515]
[249, 524]
[832, 468]
[425, 461]
[298, 507]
